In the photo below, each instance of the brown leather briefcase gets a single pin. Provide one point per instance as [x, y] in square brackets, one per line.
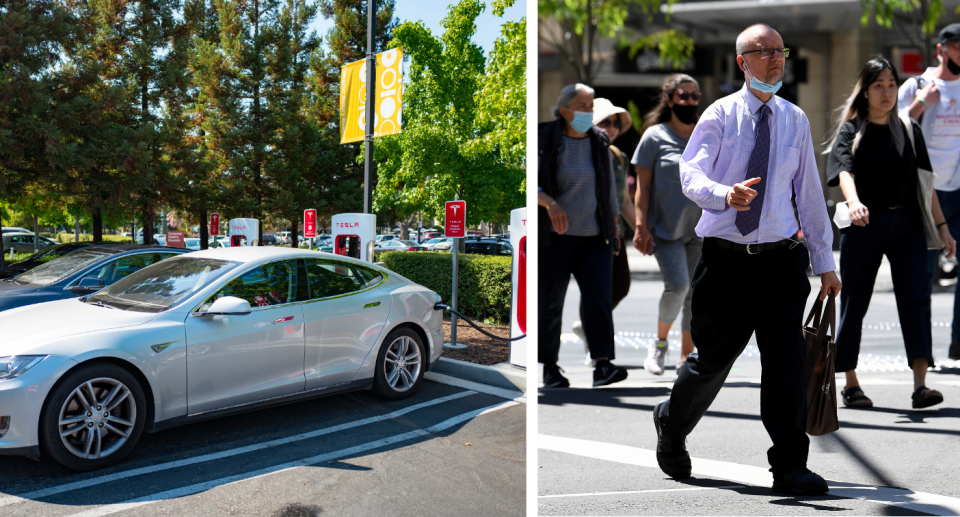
[819, 370]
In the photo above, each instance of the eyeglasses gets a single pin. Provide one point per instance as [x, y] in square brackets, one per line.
[685, 96]
[606, 123]
[767, 53]
[953, 44]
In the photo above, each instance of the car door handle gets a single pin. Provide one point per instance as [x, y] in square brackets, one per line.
[283, 320]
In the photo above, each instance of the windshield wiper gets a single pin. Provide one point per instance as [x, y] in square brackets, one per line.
[101, 304]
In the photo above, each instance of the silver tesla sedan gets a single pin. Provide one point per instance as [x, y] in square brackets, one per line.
[202, 335]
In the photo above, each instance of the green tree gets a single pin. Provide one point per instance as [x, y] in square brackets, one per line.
[429, 162]
[916, 19]
[574, 28]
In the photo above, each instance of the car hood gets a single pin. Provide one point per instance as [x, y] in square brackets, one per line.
[12, 289]
[26, 327]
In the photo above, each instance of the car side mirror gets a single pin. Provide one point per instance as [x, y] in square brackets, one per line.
[87, 285]
[226, 306]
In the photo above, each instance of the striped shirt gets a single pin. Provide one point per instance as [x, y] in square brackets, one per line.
[577, 187]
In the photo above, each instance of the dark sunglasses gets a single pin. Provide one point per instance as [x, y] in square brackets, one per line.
[684, 96]
[606, 123]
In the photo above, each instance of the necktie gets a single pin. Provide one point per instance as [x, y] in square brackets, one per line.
[749, 220]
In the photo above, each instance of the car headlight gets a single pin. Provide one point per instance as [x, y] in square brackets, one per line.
[12, 367]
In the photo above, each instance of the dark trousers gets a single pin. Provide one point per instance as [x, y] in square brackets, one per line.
[621, 280]
[950, 205]
[590, 260]
[735, 295]
[899, 236]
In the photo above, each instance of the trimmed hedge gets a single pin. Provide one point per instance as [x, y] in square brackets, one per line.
[17, 257]
[483, 281]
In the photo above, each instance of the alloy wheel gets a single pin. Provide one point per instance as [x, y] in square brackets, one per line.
[402, 364]
[97, 418]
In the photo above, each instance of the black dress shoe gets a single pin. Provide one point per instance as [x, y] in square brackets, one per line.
[954, 352]
[799, 481]
[672, 455]
[608, 373]
[552, 377]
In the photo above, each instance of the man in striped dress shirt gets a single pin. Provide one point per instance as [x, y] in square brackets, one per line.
[750, 152]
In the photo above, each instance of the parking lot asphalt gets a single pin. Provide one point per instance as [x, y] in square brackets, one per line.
[597, 445]
[446, 450]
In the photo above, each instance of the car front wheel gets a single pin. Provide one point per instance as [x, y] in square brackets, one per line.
[93, 417]
[399, 365]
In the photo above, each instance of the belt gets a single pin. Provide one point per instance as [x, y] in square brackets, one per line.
[751, 249]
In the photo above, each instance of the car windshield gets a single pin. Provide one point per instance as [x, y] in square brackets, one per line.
[60, 268]
[406, 243]
[158, 287]
[48, 254]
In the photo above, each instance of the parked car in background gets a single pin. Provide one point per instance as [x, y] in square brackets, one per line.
[121, 357]
[474, 234]
[398, 245]
[488, 247]
[438, 243]
[192, 243]
[387, 237]
[283, 238]
[431, 235]
[218, 241]
[14, 229]
[23, 242]
[80, 273]
[46, 255]
[271, 239]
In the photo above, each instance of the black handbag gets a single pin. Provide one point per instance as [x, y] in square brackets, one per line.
[819, 369]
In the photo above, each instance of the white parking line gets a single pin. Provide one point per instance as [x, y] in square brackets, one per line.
[640, 491]
[200, 487]
[749, 475]
[45, 492]
[516, 396]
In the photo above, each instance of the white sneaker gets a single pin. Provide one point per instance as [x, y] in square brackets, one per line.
[578, 330]
[656, 356]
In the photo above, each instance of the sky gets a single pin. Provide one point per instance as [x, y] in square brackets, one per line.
[431, 12]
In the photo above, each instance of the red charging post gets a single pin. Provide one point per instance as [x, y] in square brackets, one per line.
[215, 223]
[455, 225]
[310, 224]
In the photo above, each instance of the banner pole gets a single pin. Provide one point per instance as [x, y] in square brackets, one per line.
[371, 111]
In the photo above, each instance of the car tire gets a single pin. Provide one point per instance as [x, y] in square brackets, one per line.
[106, 444]
[397, 378]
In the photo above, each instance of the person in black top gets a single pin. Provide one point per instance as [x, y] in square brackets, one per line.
[873, 162]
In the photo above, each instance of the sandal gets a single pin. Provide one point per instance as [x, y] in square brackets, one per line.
[926, 397]
[854, 397]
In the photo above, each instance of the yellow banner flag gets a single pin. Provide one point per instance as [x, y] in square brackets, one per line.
[388, 97]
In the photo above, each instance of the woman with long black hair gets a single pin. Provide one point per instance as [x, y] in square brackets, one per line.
[874, 163]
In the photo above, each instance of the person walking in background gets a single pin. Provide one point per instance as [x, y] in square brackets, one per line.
[613, 120]
[666, 220]
[876, 167]
[577, 233]
[932, 100]
[749, 153]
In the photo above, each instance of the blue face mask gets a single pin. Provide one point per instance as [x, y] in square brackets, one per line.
[759, 85]
[582, 121]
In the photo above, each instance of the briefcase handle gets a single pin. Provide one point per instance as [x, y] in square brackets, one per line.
[830, 323]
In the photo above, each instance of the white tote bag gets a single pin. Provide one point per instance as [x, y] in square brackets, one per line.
[925, 180]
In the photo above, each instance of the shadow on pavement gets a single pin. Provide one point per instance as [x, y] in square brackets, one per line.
[608, 397]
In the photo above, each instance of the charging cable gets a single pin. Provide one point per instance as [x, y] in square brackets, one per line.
[444, 307]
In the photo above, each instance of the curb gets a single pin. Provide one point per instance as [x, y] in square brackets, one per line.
[503, 375]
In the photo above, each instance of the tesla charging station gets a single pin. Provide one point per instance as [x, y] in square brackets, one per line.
[354, 235]
[244, 232]
[518, 299]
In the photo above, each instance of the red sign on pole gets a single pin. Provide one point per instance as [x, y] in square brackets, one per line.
[911, 62]
[455, 223]
[310, 222]
[175, 239]
[215, 223]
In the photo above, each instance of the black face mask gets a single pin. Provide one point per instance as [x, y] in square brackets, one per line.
[685, 114]
[954, 68]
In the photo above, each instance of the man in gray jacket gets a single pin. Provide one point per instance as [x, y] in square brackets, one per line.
[933, 99]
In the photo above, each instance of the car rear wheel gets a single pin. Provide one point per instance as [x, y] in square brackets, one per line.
[93, 417]
[399, 365]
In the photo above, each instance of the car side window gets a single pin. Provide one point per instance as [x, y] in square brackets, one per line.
[270, 284]
[120, 268]
[330, 278]
[502, 249]
[369, 276]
